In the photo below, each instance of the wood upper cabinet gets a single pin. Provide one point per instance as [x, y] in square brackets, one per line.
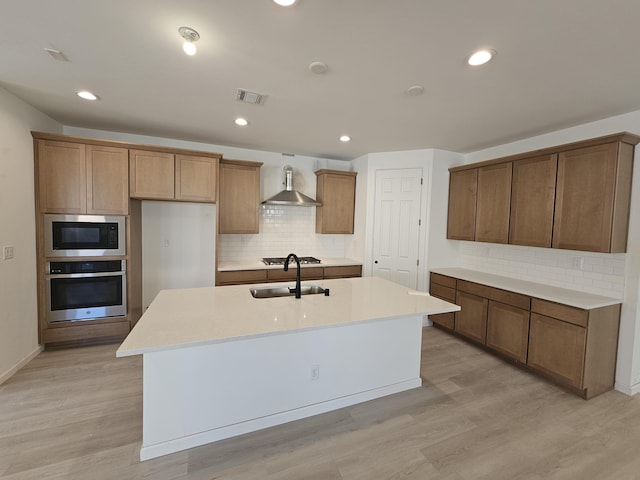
[168, 176]
[336, 191]
[239, 202]
[493, 203]
[533, 191]
[196, 178]
[152, 175]
[76, 178]
[592, 198]
[461, 217]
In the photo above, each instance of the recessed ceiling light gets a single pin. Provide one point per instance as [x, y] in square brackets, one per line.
[345, 138]
[242, 122]
[285, 3]
[87, 95]
[190, 36]
[480, 57]
[318, 68]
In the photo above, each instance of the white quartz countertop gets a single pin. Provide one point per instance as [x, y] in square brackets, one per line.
[565, 296]
[199, 316]
[258, 264]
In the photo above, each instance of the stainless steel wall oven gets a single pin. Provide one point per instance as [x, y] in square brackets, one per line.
[85, 290]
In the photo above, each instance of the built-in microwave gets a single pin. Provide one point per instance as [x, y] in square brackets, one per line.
[84, 235]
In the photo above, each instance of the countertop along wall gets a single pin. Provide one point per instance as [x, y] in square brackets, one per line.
[18, 300]
[613, 275]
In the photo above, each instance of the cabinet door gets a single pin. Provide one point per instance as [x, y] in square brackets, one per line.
[196, 178]
[508, 330]
[533, 192]
[151, 175]
[336, 192]
[239, 198]
[461, 217]
[585, 198]
[62, 177]
[347, 271]
[557, 348]
[494, 200]
[107, 180]
[471, 320]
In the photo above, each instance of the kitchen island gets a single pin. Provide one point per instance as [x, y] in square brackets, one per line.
[220, 363]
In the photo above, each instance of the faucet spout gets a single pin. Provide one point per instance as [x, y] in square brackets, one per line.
[297, 289]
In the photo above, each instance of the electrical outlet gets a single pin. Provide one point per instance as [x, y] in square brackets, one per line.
[315, 372]
[7, 253]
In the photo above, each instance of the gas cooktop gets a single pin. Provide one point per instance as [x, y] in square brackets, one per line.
[281, 260]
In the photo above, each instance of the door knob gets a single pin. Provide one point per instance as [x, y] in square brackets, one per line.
[376, 261]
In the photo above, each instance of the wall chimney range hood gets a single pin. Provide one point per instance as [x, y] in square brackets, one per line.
[289, 196]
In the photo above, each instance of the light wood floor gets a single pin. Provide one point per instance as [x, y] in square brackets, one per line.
[76, 414]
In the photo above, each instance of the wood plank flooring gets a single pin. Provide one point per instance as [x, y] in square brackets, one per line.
[77, 414]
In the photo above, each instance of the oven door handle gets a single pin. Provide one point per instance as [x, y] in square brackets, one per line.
[85, 275]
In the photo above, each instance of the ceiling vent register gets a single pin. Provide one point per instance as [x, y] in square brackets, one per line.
[253, 98]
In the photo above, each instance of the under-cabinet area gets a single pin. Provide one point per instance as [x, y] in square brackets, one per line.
[567, 336]
[575, 196]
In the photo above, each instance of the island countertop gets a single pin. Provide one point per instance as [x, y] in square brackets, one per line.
[189, 317]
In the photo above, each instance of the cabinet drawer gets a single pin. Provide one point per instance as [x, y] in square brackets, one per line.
[502, 296]
[445, 293]
[561, 312]
[238, 277]
[312, 273]
[443, 280]
[343, 272]
[446, 320]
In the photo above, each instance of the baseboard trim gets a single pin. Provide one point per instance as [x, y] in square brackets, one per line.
[11, 372]
[630, 390]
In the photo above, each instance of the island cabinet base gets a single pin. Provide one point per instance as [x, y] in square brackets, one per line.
[201, 394]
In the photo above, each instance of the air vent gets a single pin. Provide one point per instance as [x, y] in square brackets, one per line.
[250, 97]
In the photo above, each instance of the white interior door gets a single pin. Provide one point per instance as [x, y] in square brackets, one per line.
[397, 225]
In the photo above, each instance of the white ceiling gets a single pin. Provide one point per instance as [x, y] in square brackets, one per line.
[560, 63]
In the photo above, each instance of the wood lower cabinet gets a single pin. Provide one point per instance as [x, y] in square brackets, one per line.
[346, 271]
[508, 330]
[461, 217]
[471, 320]
[239, 197]
[311, 273]
[240, 277]
[336, 191]
[574, 347]
[493, 203]
[78, 178]
[444, 288]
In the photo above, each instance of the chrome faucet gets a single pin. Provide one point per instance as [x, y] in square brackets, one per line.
[297, 289]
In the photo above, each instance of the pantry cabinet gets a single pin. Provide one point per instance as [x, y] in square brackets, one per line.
[463, 190]
[79, 178]
[239, 202]
[336, 191]
[575, 196]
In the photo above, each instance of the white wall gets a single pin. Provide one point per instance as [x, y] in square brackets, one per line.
[602, 273]
[178, 246]
[18, 300]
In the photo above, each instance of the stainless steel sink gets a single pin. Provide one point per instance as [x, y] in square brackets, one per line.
[271, 292]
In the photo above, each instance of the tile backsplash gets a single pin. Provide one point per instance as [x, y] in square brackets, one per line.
[283, 229]
[598, 273]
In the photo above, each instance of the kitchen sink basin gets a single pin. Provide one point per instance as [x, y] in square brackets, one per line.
[271, 292]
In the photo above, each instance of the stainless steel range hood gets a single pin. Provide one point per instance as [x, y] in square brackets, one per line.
[289, 196]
